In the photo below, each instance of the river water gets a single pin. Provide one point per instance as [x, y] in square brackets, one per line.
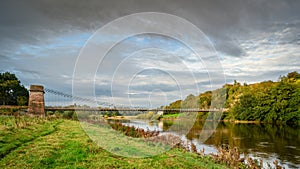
[260, 141]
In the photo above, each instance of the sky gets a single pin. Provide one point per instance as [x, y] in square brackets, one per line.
[50, 42]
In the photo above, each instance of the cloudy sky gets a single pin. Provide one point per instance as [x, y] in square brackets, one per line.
[45, 42]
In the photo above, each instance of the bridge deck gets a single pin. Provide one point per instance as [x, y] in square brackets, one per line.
[131, 109]
[114, 109]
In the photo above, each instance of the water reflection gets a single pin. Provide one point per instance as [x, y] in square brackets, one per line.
[262, 140]
[266, 141]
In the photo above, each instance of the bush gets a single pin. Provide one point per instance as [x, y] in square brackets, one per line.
[49, 113]
[74, 116]
[58, 114]
[82, 115]
[68, 114]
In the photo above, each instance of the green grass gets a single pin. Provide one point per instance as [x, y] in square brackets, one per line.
[122, 145]
[171, 115]
[11, 136]
[64, 144]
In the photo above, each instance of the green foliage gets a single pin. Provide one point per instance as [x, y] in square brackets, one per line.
[273, 102]
[111, 113]
[22, 100]
[58, 113]
[83, 115]
[11, 90]
[292, 76]
[171, 115]
[190, 102]
[205, 100]
[68, 114]
[49, 113]
[174, 105]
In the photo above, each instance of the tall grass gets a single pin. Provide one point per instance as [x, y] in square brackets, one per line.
[133, 131]
[17, 130]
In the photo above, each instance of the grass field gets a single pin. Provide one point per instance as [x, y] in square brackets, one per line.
[62, 143]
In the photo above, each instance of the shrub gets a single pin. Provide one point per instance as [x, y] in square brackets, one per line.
[68, 114]
[49, 113]
[82, 115]
[74, 116]
[58, 114]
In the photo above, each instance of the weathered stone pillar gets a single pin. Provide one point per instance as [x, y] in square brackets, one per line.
[36, 103]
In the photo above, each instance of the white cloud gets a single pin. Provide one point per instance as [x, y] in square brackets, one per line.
[267, 52]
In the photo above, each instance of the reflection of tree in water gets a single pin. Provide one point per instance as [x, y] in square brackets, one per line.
[167, 124]
[265, 138]
[270, 139]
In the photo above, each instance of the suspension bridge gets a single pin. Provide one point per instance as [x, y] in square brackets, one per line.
[38, 103]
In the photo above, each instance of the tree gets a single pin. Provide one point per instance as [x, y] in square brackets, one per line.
[174, 105]
[291, 77]
[268, 101]
[245, 107]
[294, 75]
[205, 100]
[11, 90]
[287, 99]
[190, 102]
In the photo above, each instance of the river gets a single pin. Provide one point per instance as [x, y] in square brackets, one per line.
[260, 141]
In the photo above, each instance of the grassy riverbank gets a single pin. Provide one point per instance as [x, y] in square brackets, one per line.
[170, 115]
[60, 143]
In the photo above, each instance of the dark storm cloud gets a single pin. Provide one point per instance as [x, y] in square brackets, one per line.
[3, 57]
[31, 21]
[36, 35]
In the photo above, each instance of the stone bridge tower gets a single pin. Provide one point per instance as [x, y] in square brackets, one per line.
[36, 103]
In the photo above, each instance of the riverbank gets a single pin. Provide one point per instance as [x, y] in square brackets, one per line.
[65, 145]
[260, 141]
[175, 116]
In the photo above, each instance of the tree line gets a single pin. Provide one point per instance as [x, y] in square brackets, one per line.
[268, 101]
[12, 92]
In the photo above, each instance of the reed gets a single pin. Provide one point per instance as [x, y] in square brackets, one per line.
[132, 131]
